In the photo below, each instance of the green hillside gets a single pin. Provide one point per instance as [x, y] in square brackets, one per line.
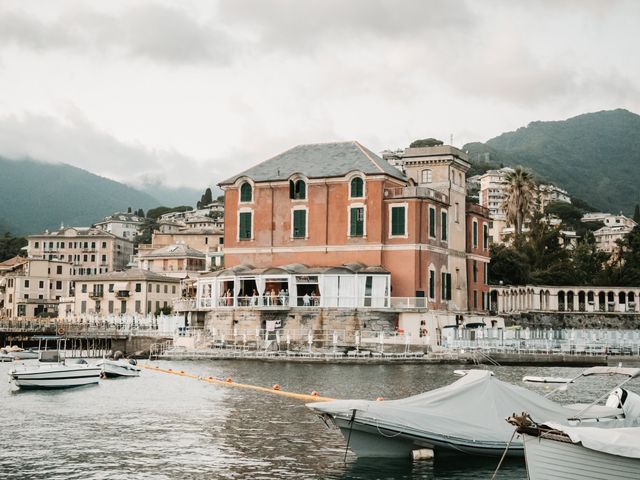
[35, 196]
[595, 156]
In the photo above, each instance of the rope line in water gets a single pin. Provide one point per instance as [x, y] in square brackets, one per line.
[229, 383]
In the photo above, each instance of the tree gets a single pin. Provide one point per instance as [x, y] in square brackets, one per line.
[520, 198]
[140, 213]
[11, 246]
[508, 266]
[636, 214]
[426, 142]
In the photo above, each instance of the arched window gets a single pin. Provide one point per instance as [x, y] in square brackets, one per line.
[297, 190]
[245, 192]
[357, 188]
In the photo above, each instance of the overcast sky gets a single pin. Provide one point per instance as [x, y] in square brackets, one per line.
[191, 92]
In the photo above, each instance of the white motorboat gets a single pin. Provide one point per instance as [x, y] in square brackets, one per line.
[17, 353]
[57, 375]
[599, 451]
[119, 368]
[466, 417]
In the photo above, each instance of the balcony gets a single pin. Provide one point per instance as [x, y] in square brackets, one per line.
[414, 192]
[122, 294]
[98, 294]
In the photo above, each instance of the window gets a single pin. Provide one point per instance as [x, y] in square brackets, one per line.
[166, 289]
[245, 226]
[475, 234]
[36, 245]
[486, 273]
[426, 176]
[93, 245]
[58, 285]
[138, 287]
[123, 306]
[446, 286]
[432, 284]
[299, 228]
[432, 222]
[443, 225]
[297, 190]
[245, 192]
[41, 284]
[485, 237]
[475, 270]
[158, 288]
[138, 306]
[59, 269]
[111, 285]
[26, 284]
[398, 221]
[173, 289]
[110, 306]
[457, 212]
[83, 306]
[93, 258]
[149, 287]
[356, 221]
[104, 244]
[357, 188]
[475, 299]
[83, 288]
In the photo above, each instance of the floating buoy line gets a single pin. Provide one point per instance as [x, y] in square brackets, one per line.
[228, 382]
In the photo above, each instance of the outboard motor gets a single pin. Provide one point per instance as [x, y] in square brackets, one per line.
[133, 361]
[628, 401]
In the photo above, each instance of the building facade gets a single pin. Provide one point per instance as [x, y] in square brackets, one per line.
[334, 204]
[123, 225]
[89, 250]
[478, 257]
[33, 287]
[177, 260]
[129, 292]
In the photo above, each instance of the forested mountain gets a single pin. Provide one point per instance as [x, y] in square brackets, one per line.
[595, 156]
[35, 196]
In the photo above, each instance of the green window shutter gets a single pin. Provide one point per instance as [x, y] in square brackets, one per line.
[443, 226]
[432, 222]
[448, 289]
[245, 226]
[356, 228]
[300, 192]
[485, 239]
[291, 189]
[397, 221]
[299, 223]
[245, 192]
[475, 270]
[443, 286]
[357, 188]
[432, 284]
[475, 234]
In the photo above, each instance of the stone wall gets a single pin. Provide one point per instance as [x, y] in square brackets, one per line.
[560, 320]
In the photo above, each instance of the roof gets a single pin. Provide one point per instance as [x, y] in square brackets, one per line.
[12, 262]
[79, 232]
[297, 269]
[121, 217]
[320, 160]
[129, 275]
[177, 250]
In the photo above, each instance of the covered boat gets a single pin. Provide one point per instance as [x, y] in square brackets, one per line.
[466, 417]
[595, 451]
[54, 375]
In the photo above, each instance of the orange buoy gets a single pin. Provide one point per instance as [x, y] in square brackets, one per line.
[314, 394]
[181, 372]
[170, 370]
[229, 380]
[209, 378]
[276, 387]
[379, 399]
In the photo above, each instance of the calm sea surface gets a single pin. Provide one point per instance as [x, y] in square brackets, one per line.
[165, 426]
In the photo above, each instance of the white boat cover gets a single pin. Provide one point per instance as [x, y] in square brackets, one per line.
[474, 407]
[624, 442]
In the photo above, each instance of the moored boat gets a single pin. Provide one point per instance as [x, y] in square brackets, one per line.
[597, 451]
[466, 417]
[119, 368]
[54, 375]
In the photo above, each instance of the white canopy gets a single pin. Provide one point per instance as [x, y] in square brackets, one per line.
[474, 408]
[624, 442]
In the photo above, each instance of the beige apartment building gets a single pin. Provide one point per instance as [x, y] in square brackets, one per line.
[90, 250]
[123, 225]
[178, 260]
[34, 287]
[128, 292]
[207, 240]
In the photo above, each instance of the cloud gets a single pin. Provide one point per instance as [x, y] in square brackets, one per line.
[77, 142]
[147, 31]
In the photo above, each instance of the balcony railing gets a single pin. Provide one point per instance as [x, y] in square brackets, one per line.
[122, 294]
[283, 302]
[97, 294]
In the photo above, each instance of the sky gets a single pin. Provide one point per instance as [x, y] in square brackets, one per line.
[188, 93]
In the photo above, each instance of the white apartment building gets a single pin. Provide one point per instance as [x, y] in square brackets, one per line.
[607, 237]
[90, 250]
[550, 194]
[123, 225]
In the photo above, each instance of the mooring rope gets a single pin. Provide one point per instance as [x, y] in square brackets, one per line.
[504, 454]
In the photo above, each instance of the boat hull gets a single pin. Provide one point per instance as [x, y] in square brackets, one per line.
[114, 369]
[65, 377]
[367, 440]
[548, 458]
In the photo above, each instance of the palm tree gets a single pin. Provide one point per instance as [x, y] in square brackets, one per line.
[520, 197]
